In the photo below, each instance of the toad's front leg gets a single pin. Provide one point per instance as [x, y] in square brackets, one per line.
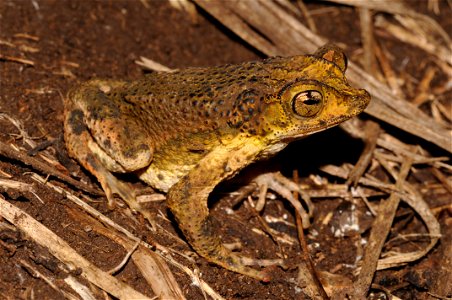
[187, 200]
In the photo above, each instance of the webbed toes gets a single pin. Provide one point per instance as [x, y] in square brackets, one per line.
[122, 189]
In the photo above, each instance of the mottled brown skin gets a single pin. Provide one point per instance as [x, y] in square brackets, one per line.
[185, 132]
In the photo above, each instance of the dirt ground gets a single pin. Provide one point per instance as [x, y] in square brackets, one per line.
[61, 43]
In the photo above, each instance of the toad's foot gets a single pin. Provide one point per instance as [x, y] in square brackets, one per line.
[285, 187]
[111, 185]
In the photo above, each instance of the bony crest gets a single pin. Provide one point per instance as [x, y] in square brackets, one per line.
[333, 54]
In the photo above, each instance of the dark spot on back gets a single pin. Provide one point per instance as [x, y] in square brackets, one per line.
[252, 79]
[76, 121]
[107, 144]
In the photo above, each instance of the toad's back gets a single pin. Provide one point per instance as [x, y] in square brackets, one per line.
[204, 99]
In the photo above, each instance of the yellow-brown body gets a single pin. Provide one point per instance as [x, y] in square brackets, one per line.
[185, 132]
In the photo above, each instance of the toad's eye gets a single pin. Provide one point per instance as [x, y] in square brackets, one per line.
[307, 103]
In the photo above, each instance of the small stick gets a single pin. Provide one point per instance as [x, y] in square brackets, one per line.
[265, 226]
[315, 282]
[443, 179]
[380, 230]
[9, 152]
[27, 36]
[367, 34]
[304, 10]
[125, 260]
[391, 77]
[366, 202]
[423, 91]
[17, 60]
[372, 132]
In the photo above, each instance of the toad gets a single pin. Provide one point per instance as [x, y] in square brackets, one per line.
[185, 132]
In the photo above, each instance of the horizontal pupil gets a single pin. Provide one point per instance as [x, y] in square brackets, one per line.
[311, 101]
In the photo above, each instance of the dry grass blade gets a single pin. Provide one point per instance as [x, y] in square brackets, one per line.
[252, 21]
[413, 199]
[378, 234]
[416, 202]
[239, 25]
[306, 14]
[17, 60]
[398, 7]
[152, 65]
[60, 249]
[367, 35]
[307, 275]
[372, 131]
[50, 281]
[9, 152]
[17, 185]
[446, 182]
[82, 290]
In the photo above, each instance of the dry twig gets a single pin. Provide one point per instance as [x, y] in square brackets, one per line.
[372, 132]
[10, 153]
[17, 60]
[378, 234]
[310, 279]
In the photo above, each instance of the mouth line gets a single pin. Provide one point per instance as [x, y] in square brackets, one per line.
[311, 131]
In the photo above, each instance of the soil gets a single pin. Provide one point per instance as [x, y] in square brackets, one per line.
[73, 41]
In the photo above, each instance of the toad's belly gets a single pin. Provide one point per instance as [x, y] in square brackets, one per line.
[164, 178]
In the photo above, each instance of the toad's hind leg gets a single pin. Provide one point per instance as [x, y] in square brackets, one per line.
[94, 135]
[187, 200]
[79, 143]
[108, 117]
